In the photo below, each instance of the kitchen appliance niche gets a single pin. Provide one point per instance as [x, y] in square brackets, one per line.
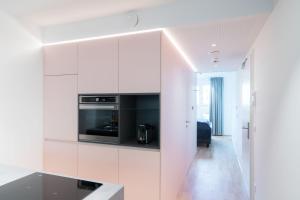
[140, 120]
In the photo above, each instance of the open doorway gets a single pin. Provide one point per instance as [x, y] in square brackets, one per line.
[216, 103]
[223, 131]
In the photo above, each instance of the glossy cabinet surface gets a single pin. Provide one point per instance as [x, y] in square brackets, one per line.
[139, 63]
[134, 64]
[98, 66]
[60, 107]
[98, 162]
[60, 157]
[139, 172]
[60, 59]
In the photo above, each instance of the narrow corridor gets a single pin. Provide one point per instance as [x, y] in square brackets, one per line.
[215, 174]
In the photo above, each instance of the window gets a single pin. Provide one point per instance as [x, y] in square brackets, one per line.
[206, 95]
[203, 102]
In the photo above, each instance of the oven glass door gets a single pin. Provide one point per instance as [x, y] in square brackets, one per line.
[99, 120]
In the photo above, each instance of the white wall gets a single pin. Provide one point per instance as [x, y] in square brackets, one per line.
[177, 153]
[230, 97]
[20, 96]
[277, 82]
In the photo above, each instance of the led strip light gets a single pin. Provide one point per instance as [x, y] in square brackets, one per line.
[165, 31]
[179, 49]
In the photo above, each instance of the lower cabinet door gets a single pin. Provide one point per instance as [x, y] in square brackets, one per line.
[139, 172]
[60, 157]
[98, 162]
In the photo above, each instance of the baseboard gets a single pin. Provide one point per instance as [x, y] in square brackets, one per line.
[242, 172]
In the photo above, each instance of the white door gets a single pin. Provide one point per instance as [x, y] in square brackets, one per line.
[245, 99]
[191, 117]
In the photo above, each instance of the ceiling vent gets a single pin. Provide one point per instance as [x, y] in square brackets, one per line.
[215, 57]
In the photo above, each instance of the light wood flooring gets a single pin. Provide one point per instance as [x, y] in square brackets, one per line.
[215, 174]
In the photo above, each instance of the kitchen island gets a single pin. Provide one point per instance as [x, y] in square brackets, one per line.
[17, 184]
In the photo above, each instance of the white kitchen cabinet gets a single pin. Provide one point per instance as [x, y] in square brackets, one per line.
[139, 172]
[60, 59]
[60, 157]
[60, 107]
[139, 63]
[98, 66]
[98, 162]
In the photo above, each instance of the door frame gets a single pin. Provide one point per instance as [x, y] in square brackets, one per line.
[252, 126]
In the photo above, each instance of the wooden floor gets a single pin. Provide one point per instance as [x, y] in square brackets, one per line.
[215, 174]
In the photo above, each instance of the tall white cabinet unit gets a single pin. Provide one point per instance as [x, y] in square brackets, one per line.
[60, 109]
[133, 64]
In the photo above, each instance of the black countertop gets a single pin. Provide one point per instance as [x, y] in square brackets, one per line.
[40, 186]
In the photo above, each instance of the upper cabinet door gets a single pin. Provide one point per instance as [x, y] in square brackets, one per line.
[139, 63]
[60, 59]
[98, 66]
[60, 107]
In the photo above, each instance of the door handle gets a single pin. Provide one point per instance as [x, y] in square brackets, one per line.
[248, 130]
[187, 123]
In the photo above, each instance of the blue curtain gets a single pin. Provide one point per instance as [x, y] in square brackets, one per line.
[216, 105]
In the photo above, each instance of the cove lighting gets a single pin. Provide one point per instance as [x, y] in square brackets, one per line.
[102, 37]
[166, 32]
[180, 50]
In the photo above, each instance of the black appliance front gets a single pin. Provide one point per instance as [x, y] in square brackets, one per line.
[39, 186]
[99, 119]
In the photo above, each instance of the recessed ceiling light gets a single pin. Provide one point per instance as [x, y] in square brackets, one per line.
[213, 45]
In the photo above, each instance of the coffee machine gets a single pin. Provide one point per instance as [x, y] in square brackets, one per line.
[145, 133]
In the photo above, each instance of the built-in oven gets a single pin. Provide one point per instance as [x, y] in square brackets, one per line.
[99, 119]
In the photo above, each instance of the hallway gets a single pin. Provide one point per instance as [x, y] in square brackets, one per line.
[215, 174]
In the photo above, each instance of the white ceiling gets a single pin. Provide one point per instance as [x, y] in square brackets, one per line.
[233, 38]
[49, 12]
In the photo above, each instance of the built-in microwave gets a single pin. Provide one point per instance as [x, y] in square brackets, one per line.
[99, 119]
